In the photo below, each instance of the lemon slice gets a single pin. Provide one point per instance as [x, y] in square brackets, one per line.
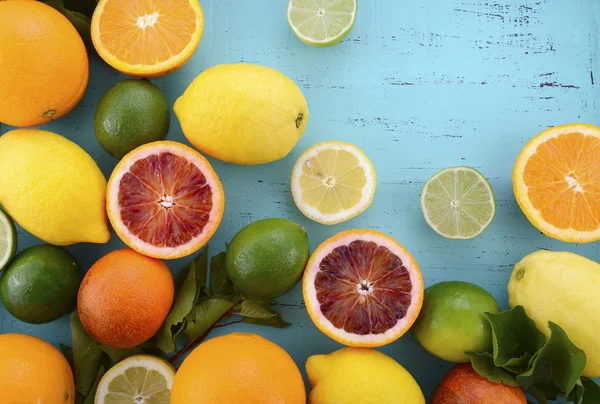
[333, 182]
[321, 22]
[8, 240]
[139, 379]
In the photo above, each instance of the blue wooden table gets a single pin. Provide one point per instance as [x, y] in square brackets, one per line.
[419, 86]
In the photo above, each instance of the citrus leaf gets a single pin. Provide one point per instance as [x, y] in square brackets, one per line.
[220, 284]
[515, 339]
[539, 395]
[68, 353]
[576, 395]
[90, 398]
[254, 309]
[87, 356]
[591, 394]
[204, 315]
[557, 366]
[483, 364]
[118, 354]
[276, 321]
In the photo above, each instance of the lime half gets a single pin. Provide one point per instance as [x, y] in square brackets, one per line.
[458, 203]
[321, 22]
[139, 379]
[8, 240]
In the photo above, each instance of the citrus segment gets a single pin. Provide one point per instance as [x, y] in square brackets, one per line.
[8, 239]
[556, 181]
[147, 38]
[333, 182]
[142, 379]
[322, 22]
[458, 203]
[362, 288]
[165, 200]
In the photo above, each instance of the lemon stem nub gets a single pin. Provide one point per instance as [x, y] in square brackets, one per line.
[299, 120]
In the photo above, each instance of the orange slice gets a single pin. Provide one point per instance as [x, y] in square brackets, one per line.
[362, 288]
[147, 38]
[556, 181]
[164, 200]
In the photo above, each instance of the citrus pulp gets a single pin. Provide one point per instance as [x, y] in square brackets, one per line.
[8, 240]
[321, 23]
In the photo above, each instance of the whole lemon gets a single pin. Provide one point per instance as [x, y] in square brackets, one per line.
[561, 287]
[238, 368]
[33, 371]
[52, 188]
[243, 113]
[360, 376]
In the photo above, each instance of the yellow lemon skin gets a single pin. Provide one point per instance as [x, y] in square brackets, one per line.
[360, 376]
[561, 287]
[242, 113]
[52, 188]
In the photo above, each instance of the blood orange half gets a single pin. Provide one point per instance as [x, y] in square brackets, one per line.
[362, 288]
[164, 200]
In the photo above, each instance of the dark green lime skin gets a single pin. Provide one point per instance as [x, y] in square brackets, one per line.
[40, 284]
[131, 113]
[267, 258]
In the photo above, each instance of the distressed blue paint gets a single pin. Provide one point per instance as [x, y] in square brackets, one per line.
[419, 86]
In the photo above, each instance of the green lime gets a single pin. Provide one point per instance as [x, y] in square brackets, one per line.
[131, 113]
[458, 203]
[267, 258]
[321, 23]
[40, 284]
[8, 239]
[451, 321]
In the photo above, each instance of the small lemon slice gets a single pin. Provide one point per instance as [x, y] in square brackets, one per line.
[139, 379]
[333, 182]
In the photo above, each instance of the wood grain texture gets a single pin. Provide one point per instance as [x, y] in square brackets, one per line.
[419, 86]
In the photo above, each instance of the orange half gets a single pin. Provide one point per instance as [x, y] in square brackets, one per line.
[147, 38]
[362, 288]
[556, 181]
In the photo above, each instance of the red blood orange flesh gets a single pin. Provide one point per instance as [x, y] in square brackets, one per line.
[362, 288]
[165, 200]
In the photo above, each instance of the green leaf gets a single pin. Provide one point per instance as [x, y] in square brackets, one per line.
[277, 321]
[254, 309]
[557, 365]
[192, 280]
[204, 315]
[540, 395]
[483, 364]
[87, 356]
[90, 398]
[118, 354]
[576, 395]
[220, 284]
[592, 392]
[68, 353]
[515, 339]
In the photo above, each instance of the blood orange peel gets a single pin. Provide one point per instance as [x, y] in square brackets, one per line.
[362, 288]
[164, 200]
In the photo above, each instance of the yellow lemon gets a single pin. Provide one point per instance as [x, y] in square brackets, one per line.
[52, 188]
[360, 376]
[243, 113]
[561, 287]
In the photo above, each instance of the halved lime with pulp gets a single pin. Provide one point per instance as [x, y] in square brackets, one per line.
[8, 240]
[458, 203]
[321, 22]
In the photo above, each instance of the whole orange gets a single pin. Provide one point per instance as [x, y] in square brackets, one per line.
[238, 368]
[43, 63]
[124, 298]
[33, 371]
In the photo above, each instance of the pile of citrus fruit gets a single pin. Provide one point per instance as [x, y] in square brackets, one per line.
[165, 201]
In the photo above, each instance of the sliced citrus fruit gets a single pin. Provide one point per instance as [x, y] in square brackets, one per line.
[140, 379]
[556, 181]
[164, 200]
[333, 182]
[147, 38]
[8, 240]
[362, 288]
[458, 203]
[321, 22]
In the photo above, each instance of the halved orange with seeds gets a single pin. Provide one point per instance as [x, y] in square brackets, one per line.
[556, 181]
[164, 200]
[147, 38]
[362, 288]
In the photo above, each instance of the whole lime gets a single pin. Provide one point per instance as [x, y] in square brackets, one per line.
[131, 113]
[40, 284]
[452, 320]
[267, 258]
